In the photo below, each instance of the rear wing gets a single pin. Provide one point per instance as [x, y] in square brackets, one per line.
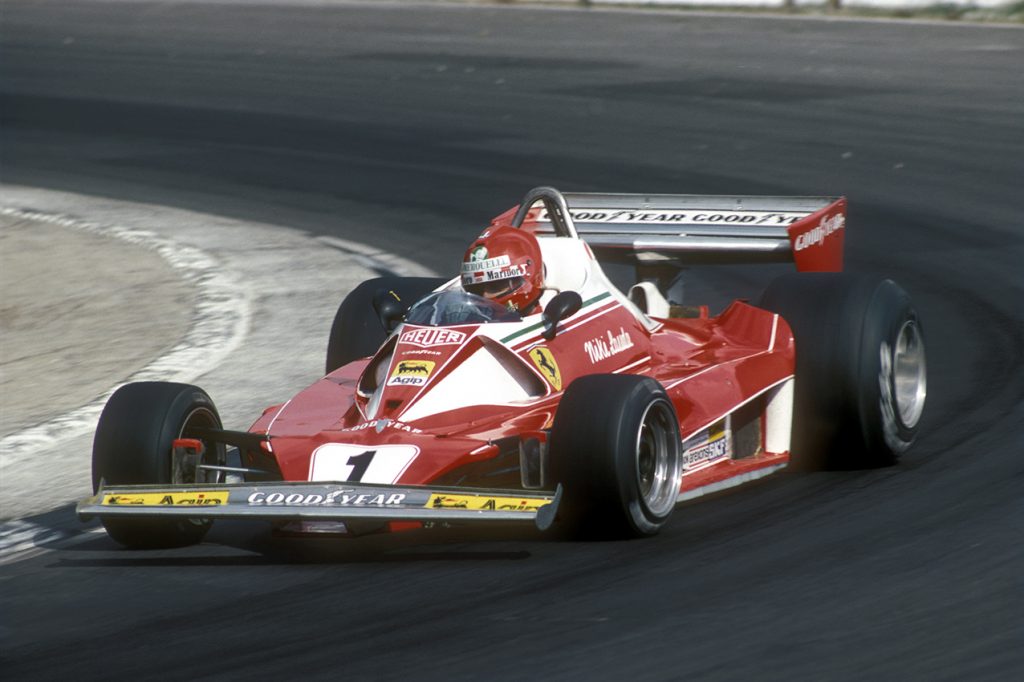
[691, 228]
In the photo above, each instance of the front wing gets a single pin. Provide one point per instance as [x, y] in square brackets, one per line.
[304, 501]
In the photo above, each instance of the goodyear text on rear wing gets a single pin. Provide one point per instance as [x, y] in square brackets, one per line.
[649, 228]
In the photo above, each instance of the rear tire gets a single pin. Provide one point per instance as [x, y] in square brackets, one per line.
[357, 331]
[860, 368]
[133, 445]
[615, 448]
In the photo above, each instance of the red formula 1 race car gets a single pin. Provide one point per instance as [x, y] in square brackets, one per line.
[531, 390]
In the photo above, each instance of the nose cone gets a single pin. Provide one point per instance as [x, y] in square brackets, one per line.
[421, 356]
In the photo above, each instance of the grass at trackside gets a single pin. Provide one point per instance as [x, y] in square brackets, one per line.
[1012, 12]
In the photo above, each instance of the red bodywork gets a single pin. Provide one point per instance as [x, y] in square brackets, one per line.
[441, 417]
[449, 421]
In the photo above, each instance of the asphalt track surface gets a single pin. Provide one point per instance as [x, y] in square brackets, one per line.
[417, 124]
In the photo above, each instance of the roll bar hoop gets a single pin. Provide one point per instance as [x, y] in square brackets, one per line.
[557, 208]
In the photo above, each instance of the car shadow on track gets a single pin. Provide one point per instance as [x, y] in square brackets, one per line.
[58, 539]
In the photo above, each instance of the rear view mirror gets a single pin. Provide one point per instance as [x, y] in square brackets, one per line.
[564, 304]
[390, 309]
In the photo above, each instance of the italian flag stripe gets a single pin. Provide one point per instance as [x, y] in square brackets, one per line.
[539, 325]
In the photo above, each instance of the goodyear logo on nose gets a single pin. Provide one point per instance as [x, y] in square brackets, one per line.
[411, 373]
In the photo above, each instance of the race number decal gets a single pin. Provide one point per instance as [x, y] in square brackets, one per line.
[361, 464]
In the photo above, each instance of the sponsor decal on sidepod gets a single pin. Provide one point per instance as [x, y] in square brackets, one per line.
[708, 446]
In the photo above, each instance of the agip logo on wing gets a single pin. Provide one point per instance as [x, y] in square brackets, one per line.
[411, 373]
[169, 498]
[484, 503]
[545, 362]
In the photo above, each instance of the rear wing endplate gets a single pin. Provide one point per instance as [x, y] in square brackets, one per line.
[688, 228]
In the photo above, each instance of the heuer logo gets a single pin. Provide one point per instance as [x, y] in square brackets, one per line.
[432, 337]
[411, 373]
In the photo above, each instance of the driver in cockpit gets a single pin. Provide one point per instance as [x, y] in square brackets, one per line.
[504, 265]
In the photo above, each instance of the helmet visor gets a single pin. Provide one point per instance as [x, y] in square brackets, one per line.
[498, 288]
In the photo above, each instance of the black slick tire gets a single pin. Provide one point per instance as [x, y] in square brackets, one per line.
[615, 449]
[860, 368]
[357, 331]
[133, 444]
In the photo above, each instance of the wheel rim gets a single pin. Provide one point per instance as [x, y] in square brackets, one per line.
[199, 418]
[909, 377]
[657, 459]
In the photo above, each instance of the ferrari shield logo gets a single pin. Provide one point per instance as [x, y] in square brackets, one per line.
[545, 362]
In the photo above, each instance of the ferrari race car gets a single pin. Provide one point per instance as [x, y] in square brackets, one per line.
[597, 413]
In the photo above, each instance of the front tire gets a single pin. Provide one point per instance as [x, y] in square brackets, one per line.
[133, 444]
[861, 377]
[615, 448]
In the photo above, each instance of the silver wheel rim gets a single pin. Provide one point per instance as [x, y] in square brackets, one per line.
[908, 377]
[657, 459]
[200, 417]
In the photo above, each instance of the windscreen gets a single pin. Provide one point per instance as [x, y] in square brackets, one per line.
[454, 307]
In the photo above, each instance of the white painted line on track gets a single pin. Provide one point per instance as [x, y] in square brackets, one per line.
[21, 540]
[380, 261]
[221, 320]
[267, 288]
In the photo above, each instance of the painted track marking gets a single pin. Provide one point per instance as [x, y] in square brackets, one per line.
[220, 322]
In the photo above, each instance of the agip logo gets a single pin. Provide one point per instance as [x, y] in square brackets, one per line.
[411, 373]
[169, 498]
